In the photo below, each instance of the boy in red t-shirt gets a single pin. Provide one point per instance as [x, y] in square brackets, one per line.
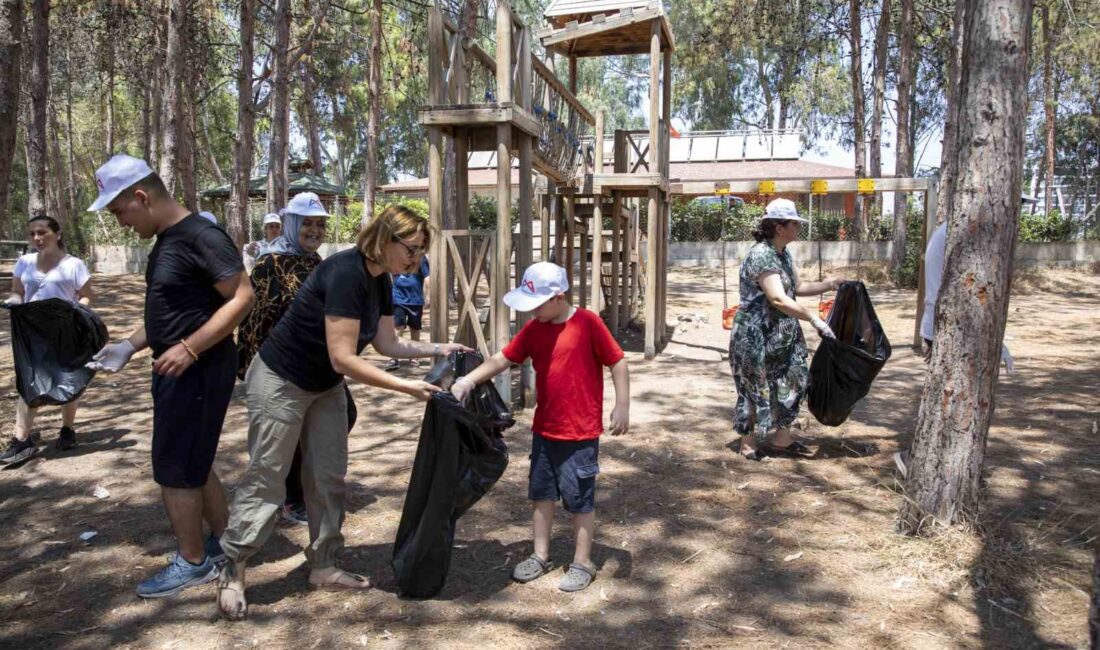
[569, 348]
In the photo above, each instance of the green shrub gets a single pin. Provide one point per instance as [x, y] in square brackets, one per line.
[1045, 227]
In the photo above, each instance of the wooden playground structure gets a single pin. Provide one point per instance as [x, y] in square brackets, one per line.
[514, 104]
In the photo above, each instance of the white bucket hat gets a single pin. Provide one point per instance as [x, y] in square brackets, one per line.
[116, 175]
[271, 217]
[782, 209]
[541, 282]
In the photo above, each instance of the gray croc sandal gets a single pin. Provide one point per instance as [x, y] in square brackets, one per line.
[577, 578]
[531, 568]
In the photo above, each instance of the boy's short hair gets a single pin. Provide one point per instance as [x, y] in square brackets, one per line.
[151, 185]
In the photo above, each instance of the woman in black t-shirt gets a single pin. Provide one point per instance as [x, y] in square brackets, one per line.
[295, 394]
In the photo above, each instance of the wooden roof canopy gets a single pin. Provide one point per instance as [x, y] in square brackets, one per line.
[583, 28]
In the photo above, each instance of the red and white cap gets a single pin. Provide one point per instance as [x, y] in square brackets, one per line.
[541, 282]
[116, 175]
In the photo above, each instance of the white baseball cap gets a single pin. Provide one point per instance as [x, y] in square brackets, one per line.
[782, 209]
[271, 217]
[306, 204]
[117, 175]
[541, 282]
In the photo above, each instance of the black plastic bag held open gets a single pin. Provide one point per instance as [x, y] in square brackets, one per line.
[459, 458]
[843, 368]
[51, 341]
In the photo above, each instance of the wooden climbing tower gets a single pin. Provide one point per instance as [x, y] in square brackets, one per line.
[588, 28]
[513, 104]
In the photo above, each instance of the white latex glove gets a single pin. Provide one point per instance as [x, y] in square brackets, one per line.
[461, 389]
[822, 327]
[13, 300]
[112, 357]
[1006, 358]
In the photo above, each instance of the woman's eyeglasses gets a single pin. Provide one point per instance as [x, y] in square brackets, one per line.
[413, 251]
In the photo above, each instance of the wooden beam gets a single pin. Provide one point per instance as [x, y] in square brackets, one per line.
[502, 256]
[571, 99]
[504, 52]
[616, 252]
[651, 268]
[597, 222]
[582, 262]
[573, 33]
[544, 219]
[796, 186]
[570, 242]
[654, 93]
[474, 115]
[605, 183]
[629, 269]
[666, 114]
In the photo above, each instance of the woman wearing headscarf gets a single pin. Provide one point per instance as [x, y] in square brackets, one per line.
[49, 272]
[280, 271]
[767, 350]
[295, 389]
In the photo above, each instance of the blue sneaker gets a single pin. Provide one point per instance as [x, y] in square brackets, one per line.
[213, 548]
[177, 576]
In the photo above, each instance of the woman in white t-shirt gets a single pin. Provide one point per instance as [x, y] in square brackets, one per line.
[48, 273]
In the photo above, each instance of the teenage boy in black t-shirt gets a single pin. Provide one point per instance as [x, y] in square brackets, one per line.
[194, 299]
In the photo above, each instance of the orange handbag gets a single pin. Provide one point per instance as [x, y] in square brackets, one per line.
[727, 316]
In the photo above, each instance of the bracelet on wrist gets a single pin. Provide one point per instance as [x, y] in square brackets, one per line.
[190, 351]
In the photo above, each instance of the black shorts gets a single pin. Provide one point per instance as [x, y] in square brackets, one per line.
[188, 413]
[411, 315]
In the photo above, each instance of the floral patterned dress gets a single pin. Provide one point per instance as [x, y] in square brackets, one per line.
[767, 349]
[276, 279]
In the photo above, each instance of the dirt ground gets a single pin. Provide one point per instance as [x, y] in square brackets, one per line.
[695, 546]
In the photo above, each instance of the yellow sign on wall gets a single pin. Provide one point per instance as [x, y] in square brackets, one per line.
[865, 185]
[767, 187]
[819, 187]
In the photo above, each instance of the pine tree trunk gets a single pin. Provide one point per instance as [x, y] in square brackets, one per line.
[951, 115]
[11, 51]
[237, 217]
[173, 121]
[374, 83]
[70, 148]
[1094, 610]
[1050, 109]
[70, 215]
[878, 98]
[944, 481]
[859, 223]
[109, 91]
[309, 116]
[39, 91]
[280, 123]
[187, 148]
[906, 72]
[157, 74]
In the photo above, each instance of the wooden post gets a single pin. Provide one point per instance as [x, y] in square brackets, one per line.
[570, 240]
[597, 222]
[654, 232]
[654, 95]
[504, 54]
[629, 280]
[931, 204]
[557, 209]
[573, 74]
[662, 302]
[544, 218]
[666, 112]
[526, 196]
[582, 262]
[436, 52]
[616, 250]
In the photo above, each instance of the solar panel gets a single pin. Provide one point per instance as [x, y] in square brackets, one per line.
[758, 147]
[679, 149]
[479, 159]
[731, 147]
[703, 148]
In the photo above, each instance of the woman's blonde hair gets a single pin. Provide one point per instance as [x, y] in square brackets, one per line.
[395, 223]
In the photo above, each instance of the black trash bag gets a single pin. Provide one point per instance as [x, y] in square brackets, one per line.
[483, 400]
[51, 340]
[843, 368]
[459, 458]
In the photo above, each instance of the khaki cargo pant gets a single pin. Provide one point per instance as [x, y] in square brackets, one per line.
[279, 414]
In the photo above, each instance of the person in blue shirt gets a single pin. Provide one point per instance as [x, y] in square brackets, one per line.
[410, 299]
